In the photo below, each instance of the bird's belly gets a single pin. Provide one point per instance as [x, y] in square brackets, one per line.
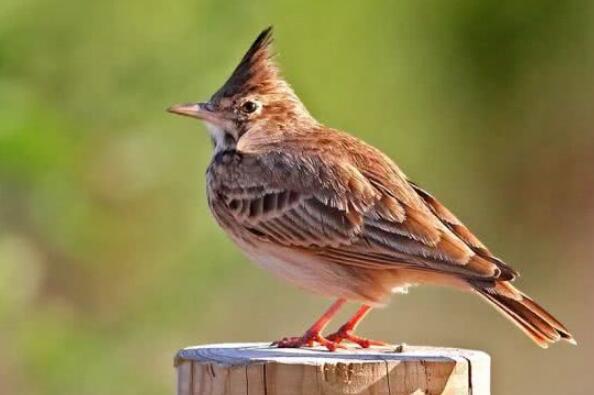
[326, 278]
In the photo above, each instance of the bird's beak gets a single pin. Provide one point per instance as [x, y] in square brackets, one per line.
[196, 110]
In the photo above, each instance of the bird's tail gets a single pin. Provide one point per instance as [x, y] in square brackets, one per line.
[535, 321]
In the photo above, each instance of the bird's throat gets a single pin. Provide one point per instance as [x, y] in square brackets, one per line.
[222, 140]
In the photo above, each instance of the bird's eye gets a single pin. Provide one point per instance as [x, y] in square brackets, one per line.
[249, 107]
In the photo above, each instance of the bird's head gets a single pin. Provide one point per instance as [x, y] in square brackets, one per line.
[255, 97]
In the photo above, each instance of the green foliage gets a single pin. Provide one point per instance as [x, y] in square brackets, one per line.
[109, 260]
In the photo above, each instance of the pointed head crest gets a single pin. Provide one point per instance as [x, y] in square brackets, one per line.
[254, 99]
[255, 72]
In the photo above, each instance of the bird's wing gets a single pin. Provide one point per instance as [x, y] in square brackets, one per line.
[351, 214]
[462, 232]
[296, 201]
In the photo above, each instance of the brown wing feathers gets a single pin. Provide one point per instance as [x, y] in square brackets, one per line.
[458, 228]
[338, 216]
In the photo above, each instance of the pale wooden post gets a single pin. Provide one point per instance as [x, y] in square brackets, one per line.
[257, 369]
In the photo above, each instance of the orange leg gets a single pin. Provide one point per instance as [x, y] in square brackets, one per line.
[345, 332]
[313, 334]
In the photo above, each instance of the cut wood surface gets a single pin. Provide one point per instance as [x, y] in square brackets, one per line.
[258, 369]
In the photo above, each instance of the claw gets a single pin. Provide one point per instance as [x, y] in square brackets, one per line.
[346, 334]
[307, 340]
[312, 335]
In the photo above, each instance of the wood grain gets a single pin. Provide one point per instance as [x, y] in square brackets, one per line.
[257, 369]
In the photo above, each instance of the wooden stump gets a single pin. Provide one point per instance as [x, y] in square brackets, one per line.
[258, 369]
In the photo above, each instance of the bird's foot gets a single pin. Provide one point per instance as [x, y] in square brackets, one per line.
[345, 333]
[309, 339]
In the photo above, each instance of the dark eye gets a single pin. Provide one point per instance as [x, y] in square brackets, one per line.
[249, 107]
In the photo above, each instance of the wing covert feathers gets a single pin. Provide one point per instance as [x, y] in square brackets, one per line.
[342, 204]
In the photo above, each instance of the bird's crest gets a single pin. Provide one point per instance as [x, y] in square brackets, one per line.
[255, 72]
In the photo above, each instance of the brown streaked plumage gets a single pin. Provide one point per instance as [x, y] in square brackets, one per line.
[332, 214]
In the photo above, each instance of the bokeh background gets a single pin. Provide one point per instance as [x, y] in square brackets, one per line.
[110, 261]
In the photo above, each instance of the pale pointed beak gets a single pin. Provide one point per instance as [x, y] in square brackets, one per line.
[196, 110]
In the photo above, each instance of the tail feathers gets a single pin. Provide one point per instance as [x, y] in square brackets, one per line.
[536, 322]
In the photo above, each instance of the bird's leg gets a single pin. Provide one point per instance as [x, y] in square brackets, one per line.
[313, 334]
[345, 332]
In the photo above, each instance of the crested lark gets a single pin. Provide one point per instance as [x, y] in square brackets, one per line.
[334, 215]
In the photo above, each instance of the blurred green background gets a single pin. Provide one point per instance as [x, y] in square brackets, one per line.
[110, 261]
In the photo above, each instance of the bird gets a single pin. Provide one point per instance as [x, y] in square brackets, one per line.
[334, 215]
